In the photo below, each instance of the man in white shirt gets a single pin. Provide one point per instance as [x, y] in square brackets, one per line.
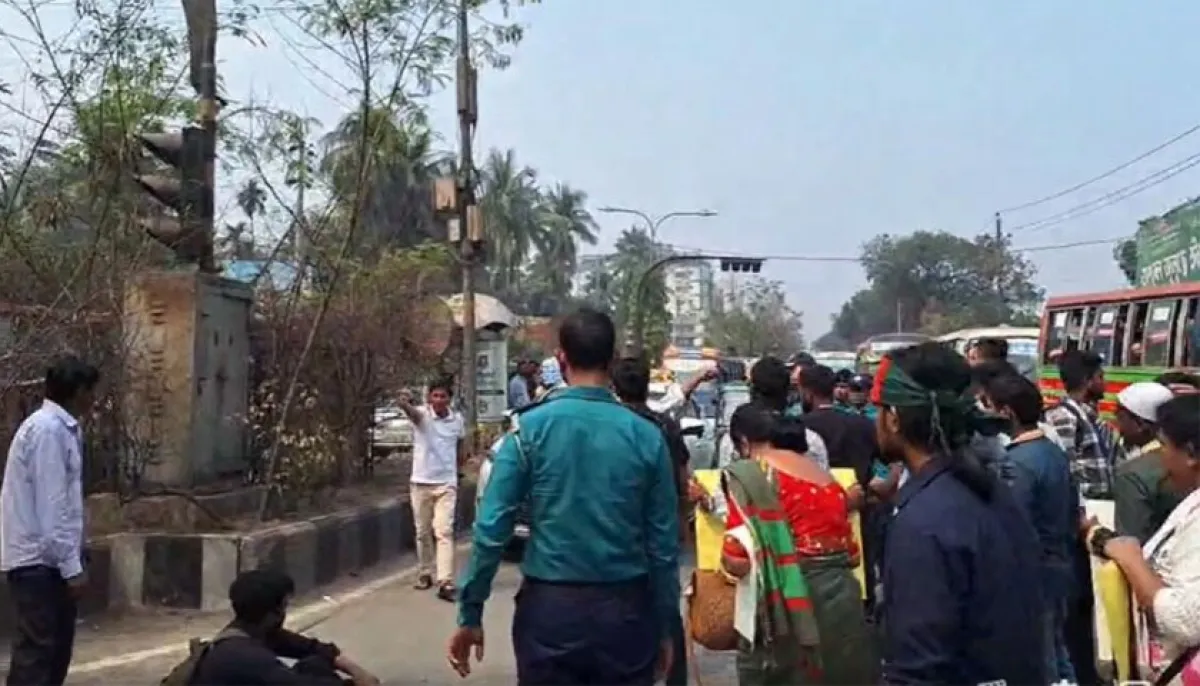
[41, 526]
[438, 434]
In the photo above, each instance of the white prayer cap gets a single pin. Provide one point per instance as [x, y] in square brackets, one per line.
[1143, 398]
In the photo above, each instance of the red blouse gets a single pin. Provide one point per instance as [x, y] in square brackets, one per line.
[818, 516]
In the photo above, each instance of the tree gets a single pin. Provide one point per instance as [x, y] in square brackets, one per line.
[618, 289]
[936, 282]
[756, 321]
[1126, 255]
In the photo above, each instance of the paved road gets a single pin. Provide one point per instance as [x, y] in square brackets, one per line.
[401, 635]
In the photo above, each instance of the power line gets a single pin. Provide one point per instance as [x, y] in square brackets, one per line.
[1120, 167]
[1119, 195]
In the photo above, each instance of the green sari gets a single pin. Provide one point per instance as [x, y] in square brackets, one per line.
[811, 626]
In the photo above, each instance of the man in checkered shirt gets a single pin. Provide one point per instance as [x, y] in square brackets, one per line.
[1088, 441]
[1090, 445]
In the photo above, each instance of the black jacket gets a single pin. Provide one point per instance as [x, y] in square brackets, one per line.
[254, 660]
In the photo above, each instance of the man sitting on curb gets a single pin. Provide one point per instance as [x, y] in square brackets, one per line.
[248, 651]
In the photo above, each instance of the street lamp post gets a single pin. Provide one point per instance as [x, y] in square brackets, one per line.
[728, 263]
[652, 223]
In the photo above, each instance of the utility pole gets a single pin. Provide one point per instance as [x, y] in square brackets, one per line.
[1000, 268]
[470, 228]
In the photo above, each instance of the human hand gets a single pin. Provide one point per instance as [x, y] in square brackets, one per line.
[364, 678]
[404, 397]
[458, 653]
[695, 492]
[1123, 548]
[77, 584]
[710, 374]
[666, 657]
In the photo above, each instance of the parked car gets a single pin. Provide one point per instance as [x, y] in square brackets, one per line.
[391, 432]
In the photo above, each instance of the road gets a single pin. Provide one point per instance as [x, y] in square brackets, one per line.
[401, 634]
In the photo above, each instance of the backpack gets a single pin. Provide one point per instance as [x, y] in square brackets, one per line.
[184, 673]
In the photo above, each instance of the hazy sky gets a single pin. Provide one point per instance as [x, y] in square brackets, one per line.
[812, 126]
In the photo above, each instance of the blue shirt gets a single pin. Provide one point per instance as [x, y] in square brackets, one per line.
[518, 392]
[41, 501]
[958, 605]
[1044, 491]
[602, 497]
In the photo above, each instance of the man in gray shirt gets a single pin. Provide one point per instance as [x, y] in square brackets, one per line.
[520, 383]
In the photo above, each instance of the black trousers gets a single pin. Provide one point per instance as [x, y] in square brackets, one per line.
[1079, 630]
[583, 634]
[45, 627]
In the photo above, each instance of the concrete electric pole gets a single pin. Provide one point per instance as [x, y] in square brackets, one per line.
[470, 229]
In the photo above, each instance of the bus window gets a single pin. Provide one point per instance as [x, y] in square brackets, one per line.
[1119, 338]
[1103, 333]
[1076, 326]
[1190, 333]
[1156, 344]
[1056, 333]
[1134, 341]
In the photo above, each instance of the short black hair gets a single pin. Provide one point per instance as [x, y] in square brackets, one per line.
[1179, 420]
[67, 377]
[443, 384]
[992, 348]
[588, 339]
[1017, 394]
[818, 380]
[631, 379]
[983, 373]
[770, 383]
[256, 593]
[1077, 367]
[1178, 378]
[759, 424]
[801, 359]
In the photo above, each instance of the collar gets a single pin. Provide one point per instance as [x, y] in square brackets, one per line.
[586, 393]
[61, 414]
[1026, 436]
[1088, 409]
[918, 481]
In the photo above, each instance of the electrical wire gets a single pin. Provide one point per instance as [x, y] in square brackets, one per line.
[1107, 200]
[1120, 167]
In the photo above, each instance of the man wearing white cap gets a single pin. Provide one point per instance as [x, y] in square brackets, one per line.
[1142, 495]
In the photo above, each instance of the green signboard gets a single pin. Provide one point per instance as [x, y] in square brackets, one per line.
[1168, 247]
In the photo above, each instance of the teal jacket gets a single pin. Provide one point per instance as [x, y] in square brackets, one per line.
[602, 498]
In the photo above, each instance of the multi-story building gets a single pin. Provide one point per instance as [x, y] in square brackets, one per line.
[588, 266]
[689, 287]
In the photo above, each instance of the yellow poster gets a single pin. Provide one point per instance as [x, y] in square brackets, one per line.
[710, 529]
[847, 478]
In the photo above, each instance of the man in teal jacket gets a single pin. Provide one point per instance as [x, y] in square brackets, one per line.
[601, 567]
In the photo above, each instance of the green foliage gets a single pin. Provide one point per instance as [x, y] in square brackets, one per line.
[938, 282]
[1126, 255]
[620, 289]
[756, 320]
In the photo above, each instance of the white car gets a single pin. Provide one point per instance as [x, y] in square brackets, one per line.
[391, 431]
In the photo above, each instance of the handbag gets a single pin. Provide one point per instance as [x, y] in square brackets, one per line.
[710, 610]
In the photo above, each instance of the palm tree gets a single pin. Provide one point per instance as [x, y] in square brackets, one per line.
[511, 206]
[251, 198]
[566, 223]
[636, 252]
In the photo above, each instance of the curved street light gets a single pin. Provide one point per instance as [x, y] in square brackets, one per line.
[653, 223]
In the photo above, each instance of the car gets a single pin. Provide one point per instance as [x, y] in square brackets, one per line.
[391, 431]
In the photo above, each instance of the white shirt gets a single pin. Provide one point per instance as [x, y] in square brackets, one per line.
[1174, 552]
[671, 402]
[435, 447]
[41, 501]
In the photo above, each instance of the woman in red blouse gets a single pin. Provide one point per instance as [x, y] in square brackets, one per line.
[817, 512]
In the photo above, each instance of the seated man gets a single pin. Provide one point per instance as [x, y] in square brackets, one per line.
[249, 649]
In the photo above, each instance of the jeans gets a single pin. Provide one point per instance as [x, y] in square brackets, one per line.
[678, 676]
[1058, 658]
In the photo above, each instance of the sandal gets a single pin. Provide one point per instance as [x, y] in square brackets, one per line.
[447, 592]
[424, 582]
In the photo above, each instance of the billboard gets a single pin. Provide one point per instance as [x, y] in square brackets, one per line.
[1168, 247]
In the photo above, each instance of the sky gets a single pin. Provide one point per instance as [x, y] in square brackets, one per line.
[810, 127]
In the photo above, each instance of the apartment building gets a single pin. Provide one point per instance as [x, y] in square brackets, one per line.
[689, 287]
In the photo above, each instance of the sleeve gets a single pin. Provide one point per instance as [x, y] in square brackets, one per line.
[923, 624]
[1177, 607]
[261, 667]
[816, 448]
[1133, 513]
[53, 480]
[294, 646]
[662, 535]
[1024, 489]
[672, 400]
[507, 487]
[733, 519]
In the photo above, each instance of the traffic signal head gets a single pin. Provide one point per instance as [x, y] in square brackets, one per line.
[182, 189]
[747, 265]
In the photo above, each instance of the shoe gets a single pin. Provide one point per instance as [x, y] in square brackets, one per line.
[424, 582]
[447, 592]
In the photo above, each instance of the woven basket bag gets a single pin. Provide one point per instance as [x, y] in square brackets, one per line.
[710, 608]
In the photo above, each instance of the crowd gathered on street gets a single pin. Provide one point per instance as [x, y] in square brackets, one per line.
[960, 551]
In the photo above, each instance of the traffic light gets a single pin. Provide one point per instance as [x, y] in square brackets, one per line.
[747, 265]
[184, 189]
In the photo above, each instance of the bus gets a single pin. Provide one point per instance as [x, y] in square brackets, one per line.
[1140, 333]
[837, 361]
[871, 351]
[1022, 344]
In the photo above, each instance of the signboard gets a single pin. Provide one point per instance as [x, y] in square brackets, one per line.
[1168, 247]
[491, 380]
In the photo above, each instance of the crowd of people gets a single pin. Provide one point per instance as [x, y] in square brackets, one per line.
[971, 490]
